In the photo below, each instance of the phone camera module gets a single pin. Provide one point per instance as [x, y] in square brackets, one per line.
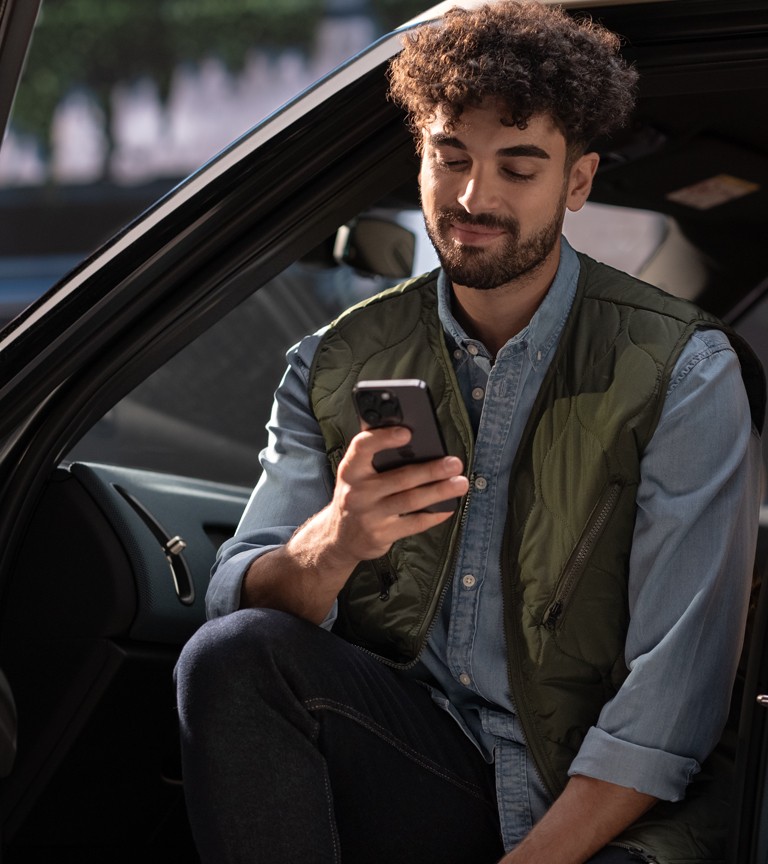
[379, 408]
[389, 407]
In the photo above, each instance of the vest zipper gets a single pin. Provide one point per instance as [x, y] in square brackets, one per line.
[393, 578]
[636, 852]
[580, 555]
[386, 575]
[451, 563]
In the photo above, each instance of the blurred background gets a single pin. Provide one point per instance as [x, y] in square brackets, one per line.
[121, 99]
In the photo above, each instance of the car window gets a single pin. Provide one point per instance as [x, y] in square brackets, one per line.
[203, 413]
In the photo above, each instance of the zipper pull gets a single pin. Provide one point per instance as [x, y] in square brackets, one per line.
[552, 615]
[386, 579]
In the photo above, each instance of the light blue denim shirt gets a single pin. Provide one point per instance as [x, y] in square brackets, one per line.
[690, 567]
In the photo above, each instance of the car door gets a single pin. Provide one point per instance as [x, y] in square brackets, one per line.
[750, 838]
[107, 566]
[17, 20]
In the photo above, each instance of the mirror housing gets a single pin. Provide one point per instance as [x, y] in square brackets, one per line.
[376, 247]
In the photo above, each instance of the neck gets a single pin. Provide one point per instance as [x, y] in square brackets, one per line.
[495, 316]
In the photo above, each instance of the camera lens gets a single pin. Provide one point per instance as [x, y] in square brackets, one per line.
[371, 416]
[390, 408]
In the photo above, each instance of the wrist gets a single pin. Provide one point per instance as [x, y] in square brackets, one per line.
[316, 546]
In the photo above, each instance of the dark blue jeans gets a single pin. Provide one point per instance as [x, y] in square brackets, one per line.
[297, 746]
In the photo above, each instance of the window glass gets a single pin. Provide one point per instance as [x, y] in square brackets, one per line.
[203, 413]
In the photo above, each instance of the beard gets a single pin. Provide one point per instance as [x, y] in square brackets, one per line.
[486, 269]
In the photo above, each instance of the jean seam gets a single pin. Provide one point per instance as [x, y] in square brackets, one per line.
[331, 818]
[407, 751]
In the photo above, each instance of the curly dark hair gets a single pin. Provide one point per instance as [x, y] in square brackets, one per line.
[534, 59]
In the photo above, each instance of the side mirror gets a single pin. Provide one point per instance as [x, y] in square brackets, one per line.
[376, 247]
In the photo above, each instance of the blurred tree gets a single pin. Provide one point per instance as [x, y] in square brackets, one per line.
[94, 44]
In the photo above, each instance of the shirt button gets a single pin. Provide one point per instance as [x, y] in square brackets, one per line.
[480, 483]
[473, 350]
[468, 581]
[465, 679]
[458, 353]
[478, 393]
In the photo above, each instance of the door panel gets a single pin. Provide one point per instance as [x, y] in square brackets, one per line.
[89, 645]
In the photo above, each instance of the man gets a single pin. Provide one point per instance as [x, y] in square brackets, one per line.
[559, 653]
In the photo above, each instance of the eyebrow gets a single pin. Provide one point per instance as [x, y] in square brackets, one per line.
[535, 152]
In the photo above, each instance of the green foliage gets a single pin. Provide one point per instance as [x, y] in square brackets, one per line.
[95, 44]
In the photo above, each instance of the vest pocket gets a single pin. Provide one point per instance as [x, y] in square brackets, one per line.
[577, 562]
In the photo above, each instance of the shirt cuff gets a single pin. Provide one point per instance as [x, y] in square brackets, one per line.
[223, 594]
[645, 769]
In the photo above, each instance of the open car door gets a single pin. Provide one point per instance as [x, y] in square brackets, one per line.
[17, 21]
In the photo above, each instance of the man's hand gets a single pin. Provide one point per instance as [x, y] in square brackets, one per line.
[369, 511]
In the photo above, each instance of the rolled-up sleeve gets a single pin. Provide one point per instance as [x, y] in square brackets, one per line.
[689, 580]
[295, 483]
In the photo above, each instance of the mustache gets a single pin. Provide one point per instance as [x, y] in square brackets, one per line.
[448, 215]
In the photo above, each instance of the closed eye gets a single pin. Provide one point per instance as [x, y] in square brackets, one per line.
[451, 164]
[516, 175]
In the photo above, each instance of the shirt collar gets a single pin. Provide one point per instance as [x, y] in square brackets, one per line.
[543, 330]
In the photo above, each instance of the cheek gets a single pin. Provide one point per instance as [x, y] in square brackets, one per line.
[430, 190]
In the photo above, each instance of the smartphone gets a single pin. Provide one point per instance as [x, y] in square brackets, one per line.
[403, 402]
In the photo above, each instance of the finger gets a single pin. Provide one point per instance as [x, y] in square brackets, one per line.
[409, 477]
[415, 523]
[358, 460]
[421, 497]
[420, 473]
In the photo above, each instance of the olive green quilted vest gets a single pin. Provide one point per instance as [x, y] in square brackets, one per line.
[571, 500]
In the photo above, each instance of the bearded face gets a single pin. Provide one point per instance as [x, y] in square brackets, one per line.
[494, 195]
[507, 259]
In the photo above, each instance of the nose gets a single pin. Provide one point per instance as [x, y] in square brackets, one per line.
[479, 194]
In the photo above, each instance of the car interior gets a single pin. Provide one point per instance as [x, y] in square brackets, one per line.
[151, 447]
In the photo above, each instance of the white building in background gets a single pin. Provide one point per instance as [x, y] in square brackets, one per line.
[207, 107]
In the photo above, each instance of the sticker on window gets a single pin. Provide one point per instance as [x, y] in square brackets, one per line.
[713, 191]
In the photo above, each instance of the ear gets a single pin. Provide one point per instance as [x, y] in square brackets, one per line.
[580, 180]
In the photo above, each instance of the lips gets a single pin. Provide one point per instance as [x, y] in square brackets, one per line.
[475, 229]
[474, 235]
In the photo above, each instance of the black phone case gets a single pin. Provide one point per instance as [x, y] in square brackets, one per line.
[414, 411]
